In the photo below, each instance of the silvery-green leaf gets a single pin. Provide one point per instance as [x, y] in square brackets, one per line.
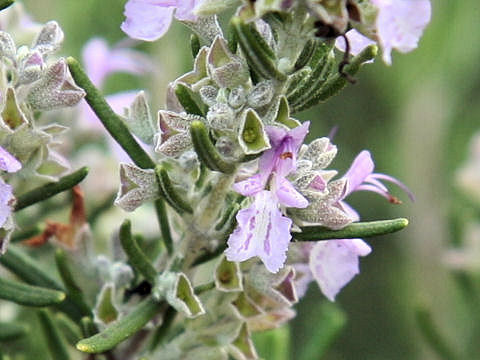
[261, 94]
[30, 68]
[176, 289]
[207, 27]
[12, 115]
[221, 117]
[105, 309]
[242, 347]
[6, 232]
[212, 7]
[252, 135]
[226, 69]
[54, 165]
[237, 97]
[139, 119]
[49, 39]
[209, 94]
[283, 114]
[136, 187]
[321, 152]
[7, 46]
[228, 277]
[55, 90]
[199, 71]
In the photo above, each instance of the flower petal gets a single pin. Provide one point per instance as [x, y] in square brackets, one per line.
[361, 167]
[147, 21]
[335, 262]
[262, 231]
[8, 162]
[250, 186]
[287, 195]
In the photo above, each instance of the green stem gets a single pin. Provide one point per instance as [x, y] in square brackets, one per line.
[55, 343]
[135, 255]
[72, 289]
[28, 295]
[121, 329]
[352, 231]
[110, 120]
[162, 218]
[48, 190]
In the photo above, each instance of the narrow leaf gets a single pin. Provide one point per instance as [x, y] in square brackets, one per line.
[48, 190]
[135, 255]
[258, 53]
[352, 231]
[169, 192]
[12, 331]
[73, 291]
[122, 329]
[28, 295]
[56, 345]
[111, 121]
[206, 151]
[5, 4]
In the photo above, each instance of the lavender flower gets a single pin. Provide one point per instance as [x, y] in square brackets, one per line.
[360, 177]
[400, 24]
[262, 229]
[10, 164]
[149, 20]
[334, 263]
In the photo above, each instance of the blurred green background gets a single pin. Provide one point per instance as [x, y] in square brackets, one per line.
[416, 117]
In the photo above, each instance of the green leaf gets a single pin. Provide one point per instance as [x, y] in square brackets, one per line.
[111, 121]
[74, 292]
[260, 56]
[352, 231]
[135, 255]
[121, 329]
[228, 276]
[190, 101]
[433, 337]
[206, 151]
[336, 82]
[56, 345]
[28, 295]
[105, 309]
[12, 331]
[252, 136]
[171, 195]
[48, 190]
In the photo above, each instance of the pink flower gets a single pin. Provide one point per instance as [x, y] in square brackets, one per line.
[400, 24]
[262, 229]
[149, 20]
[360, 177]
